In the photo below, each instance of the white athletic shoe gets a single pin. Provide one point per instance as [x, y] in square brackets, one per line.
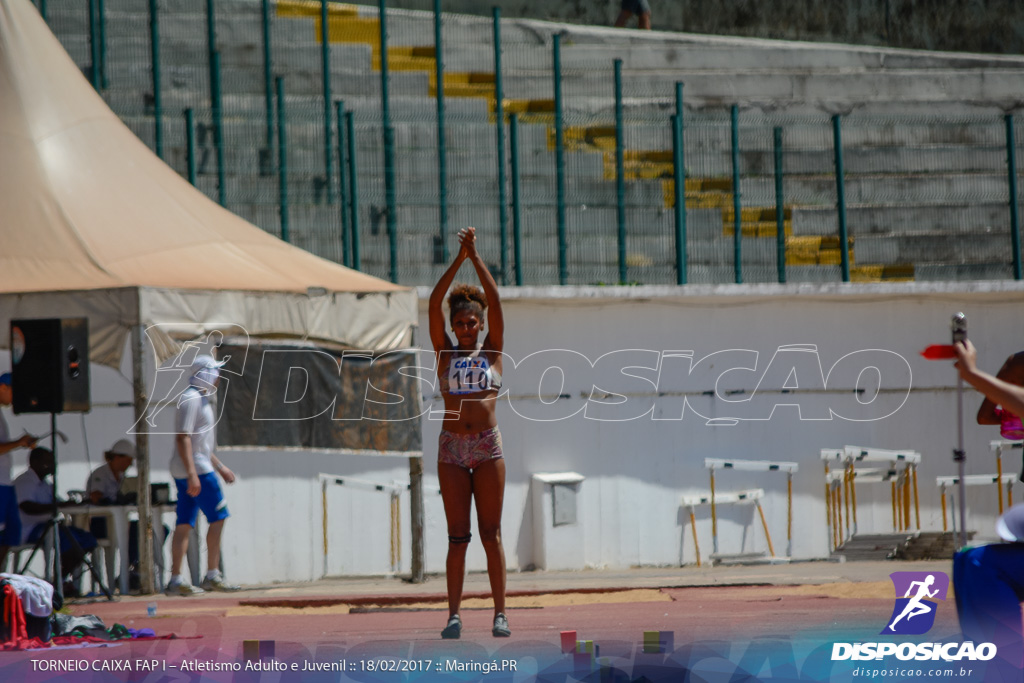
[183, 589]
[217, 583]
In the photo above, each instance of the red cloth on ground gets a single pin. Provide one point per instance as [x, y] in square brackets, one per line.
[65, 641]
[14, 620]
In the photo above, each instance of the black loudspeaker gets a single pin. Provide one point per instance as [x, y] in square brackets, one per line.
[50, 365]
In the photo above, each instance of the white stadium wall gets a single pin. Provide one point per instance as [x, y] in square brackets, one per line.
[635, 471]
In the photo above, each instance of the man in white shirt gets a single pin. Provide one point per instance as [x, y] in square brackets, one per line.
[194, 467]
[10, 520]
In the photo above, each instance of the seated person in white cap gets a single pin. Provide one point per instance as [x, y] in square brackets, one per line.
[104, 485]
[989, 580]
[194, 467]
[104, 488]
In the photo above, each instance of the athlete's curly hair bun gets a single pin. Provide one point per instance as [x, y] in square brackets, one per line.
[466, 297]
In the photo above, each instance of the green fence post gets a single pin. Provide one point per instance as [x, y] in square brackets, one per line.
[389, 145]
[780, 210]
[282, 155]
[563, 267]
[499, 110]
[737, 217]
[837, 141]
[620, 181]
[325, 59]
[190, 145]
[679, 195]
[218, 131]
[102, 19]
[346, 246]
[158, 107]
[214, 63]
[517, 232]
[211, 38]
[353, 187]
[1011, 168]
[94, 46]
[442, 145]
[267, 162]
[679, 174]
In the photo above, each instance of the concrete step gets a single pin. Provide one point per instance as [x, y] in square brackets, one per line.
[547, 273]
[190, 51]
[697, 57]
[908, 85]
[225, 7]
[769, 113]
[871, 547]
[644, 225]
[249, 79]
[298, 107]
[929, 545]
[912, 188]
[238, 26]
[946, 272]
[707, 158]
[963, 219]
[415, 189]
[934, 247]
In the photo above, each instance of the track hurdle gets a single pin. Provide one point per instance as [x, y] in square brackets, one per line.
[841, 492]
[906, 483]
[948, 483]
[749, 496]
[755, 466]
[999, 447]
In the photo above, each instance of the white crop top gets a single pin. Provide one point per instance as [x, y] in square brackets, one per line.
[470, 374]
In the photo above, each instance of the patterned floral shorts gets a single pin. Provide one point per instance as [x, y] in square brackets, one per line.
[469, 450]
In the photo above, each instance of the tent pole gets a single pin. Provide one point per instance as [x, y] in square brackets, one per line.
[141, 404]
[416, 513]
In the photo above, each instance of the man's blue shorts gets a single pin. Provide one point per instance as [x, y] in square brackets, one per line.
[210, 500]
[10, 520]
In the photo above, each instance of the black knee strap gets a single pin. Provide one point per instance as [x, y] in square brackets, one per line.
[460, 539]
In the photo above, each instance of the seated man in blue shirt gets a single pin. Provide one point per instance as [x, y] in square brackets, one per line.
[36, 505]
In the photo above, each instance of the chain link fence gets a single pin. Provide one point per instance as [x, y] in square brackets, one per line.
[556, 143]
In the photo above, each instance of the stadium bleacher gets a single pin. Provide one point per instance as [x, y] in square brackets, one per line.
[924, 141]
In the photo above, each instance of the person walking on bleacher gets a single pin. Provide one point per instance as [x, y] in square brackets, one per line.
[642, 10]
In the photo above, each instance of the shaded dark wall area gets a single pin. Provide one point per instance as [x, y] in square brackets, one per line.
[993, 26]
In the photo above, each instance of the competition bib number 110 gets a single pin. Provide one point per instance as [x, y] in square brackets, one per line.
[469, 375]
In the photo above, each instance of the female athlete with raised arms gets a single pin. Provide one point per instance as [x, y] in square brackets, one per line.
[470, 464]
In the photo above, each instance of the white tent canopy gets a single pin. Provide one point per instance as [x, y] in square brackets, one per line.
[94, 224]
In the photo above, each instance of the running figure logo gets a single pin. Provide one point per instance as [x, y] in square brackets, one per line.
[914, 613]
